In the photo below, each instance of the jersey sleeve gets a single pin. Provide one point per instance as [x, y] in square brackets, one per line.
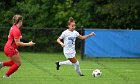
[16, 34]
[77, 34]
[62, 35]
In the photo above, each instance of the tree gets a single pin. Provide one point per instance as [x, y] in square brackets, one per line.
[87, 13]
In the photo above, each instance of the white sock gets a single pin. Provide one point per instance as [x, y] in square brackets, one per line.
[67, 62]
[77, 68]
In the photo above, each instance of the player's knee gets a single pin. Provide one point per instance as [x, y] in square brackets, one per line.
[73, 60]
[18, 63]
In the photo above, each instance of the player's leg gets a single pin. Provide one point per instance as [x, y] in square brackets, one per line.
[67, 62]
[6, 63]
[17, 62]
[76, 65]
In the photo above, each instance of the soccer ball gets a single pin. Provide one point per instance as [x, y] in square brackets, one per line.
[96, 73]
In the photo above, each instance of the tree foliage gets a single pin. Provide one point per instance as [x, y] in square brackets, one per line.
[87, 13]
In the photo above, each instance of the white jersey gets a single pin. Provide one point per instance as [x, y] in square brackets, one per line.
[69, 38]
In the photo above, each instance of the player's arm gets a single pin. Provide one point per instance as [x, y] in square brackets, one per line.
[86, 36]
[60, 42]
[19, 43]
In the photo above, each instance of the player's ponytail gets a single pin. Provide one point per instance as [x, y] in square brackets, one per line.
[70, 20]
[16, 19]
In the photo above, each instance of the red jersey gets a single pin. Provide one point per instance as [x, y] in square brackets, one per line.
[14, 33]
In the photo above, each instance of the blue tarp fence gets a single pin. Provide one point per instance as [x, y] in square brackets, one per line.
[112, 43]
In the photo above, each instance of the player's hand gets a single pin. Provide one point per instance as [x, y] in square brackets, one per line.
[62, 45]
[92, 34]
[31, 43]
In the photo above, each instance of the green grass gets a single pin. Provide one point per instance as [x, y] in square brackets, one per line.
[39, 68]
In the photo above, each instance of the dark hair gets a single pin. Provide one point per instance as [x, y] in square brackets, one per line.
[16, 19]
[70, 20]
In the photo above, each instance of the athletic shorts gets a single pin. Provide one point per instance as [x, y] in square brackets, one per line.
[69, 55]
[10, 51]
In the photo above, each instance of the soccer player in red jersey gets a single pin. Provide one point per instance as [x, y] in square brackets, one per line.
[10, 48]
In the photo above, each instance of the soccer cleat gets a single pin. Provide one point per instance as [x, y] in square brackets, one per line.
[57, 65]
[5, 76]
[82, 75]
[1, 65]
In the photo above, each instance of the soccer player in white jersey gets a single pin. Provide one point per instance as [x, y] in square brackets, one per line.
[69, 37]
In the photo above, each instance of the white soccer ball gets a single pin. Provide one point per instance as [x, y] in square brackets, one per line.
[96, 73]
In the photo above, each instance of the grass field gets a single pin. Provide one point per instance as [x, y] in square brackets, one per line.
[39, 68]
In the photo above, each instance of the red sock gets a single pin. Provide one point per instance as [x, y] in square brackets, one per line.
[8, 63]
[12, 69]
